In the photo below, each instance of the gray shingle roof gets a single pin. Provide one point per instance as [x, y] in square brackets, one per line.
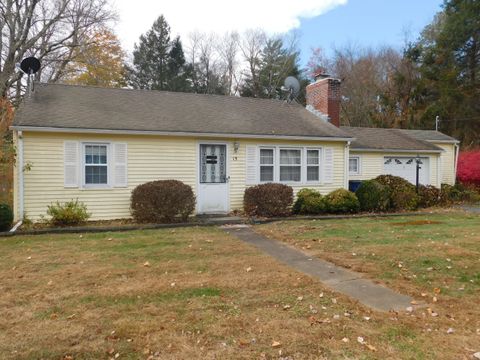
[83, 107]
[429, 135]
[386, 139]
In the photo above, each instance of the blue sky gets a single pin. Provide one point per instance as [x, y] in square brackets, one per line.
[367, 23]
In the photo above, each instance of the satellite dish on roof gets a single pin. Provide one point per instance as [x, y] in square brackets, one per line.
[30, 66]
[292, 86]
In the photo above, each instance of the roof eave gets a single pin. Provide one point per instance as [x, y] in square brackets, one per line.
[178, 133]
[396, 150]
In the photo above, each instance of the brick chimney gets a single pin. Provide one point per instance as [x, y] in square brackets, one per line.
[324, 96]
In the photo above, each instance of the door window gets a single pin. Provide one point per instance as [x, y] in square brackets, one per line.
[213, 167]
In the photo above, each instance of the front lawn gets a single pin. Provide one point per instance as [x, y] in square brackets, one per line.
[200, 293]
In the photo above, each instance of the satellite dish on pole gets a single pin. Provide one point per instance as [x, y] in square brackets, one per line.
[30, 66]
[292, 86]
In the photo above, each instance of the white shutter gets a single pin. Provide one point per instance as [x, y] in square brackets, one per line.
[70, 164]
[120, 177]
[328, 166]
[251, 165]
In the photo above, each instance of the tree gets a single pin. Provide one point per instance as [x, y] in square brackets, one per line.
[228, 51]
[448, 55]
[150, 58]
[178, 70]
[100, 62]
[251, 47]
[49, 30]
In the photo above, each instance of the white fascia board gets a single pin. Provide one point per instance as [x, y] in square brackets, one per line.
[396, 151]
[174, 133]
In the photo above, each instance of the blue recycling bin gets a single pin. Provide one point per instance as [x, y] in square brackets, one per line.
[353, 185]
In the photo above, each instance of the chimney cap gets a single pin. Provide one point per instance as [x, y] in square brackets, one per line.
[321, 74]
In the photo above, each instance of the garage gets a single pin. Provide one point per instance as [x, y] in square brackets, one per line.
[405, 167]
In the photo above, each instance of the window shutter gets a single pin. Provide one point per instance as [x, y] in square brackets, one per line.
[328, 166]
[251, 165]
[120, 177]
[70, 164]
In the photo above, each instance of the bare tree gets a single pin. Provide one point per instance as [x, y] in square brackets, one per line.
[49, 30]
[227, 49]
[251, 47]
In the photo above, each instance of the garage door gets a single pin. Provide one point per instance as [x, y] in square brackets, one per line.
[405, 167]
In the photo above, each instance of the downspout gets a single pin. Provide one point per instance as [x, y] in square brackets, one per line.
[457, 150]
[347, 156]
[20, 175]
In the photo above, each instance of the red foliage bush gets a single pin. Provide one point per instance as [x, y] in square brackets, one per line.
[468, 169]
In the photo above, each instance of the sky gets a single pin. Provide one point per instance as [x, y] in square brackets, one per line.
[319, 23]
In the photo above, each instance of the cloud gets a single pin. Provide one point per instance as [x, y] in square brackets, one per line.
[185, 16]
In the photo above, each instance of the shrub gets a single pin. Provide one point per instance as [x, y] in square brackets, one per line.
[373, 196]
[468, 168]
[459, 193]
[428, 196]
[162, 201]
[268, 200]
[309, 201]
[342, 201]
[403, 195]
[67, 214]
[6, 217]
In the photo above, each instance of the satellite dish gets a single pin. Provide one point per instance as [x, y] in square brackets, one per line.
[30, 65]
[292, 86]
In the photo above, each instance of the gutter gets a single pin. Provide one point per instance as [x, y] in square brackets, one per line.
[397, 151]
[457, 151]
[179, 133]
[346, 167]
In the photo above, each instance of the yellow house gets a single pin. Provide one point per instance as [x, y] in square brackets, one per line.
[96, 145]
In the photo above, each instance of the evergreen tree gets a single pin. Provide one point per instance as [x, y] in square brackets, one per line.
[178, 70]
[151, 58]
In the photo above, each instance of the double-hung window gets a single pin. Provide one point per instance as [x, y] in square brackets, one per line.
[290, 165]
[95, 164]
[313, 165]
[267, 164]
[354, 165]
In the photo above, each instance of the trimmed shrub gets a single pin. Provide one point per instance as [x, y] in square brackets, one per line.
[6, 217]
[70, 213]
[162, 201]
[403, 195]
[268, 200]
[309, 201]
[373, 196]
[429, 196]
[342, 201]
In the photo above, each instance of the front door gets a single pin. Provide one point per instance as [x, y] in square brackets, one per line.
[212, 185]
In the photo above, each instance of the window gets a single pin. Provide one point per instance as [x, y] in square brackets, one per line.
[290, 165]
[313, 165]
[354, 165]
[96, 164]
[266, 165]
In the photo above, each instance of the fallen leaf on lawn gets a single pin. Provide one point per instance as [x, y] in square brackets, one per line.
[29, 258]
[70, 317]
[450, 331]
[477, 355]
[117, 355]
[146, 264]
[110, 239]
[286, 307]
[361, 340]
[366, 318]
[336, 317]
[276, 344]
[300, 298]
[423, 294]
[371, 347]
[413, 302]
[321, 295]
[437, 290]
[248, 269]
[409, 309]
[345, 340]
[53, 316]
[110, 351]
[334, 301]
[50, 283]
[434, 299]
[172, 284]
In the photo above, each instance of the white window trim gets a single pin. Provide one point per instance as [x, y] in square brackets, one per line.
[108, 185]
[274, 165]
[303, 164]
[359, 171]
[319, 165]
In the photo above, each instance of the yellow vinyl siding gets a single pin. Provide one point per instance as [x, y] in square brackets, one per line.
[371, 164]
[149, 158]
[447, 159]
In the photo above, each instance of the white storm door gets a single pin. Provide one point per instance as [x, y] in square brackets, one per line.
[213, 180]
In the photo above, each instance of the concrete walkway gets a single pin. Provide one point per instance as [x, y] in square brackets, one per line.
[337, 278]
